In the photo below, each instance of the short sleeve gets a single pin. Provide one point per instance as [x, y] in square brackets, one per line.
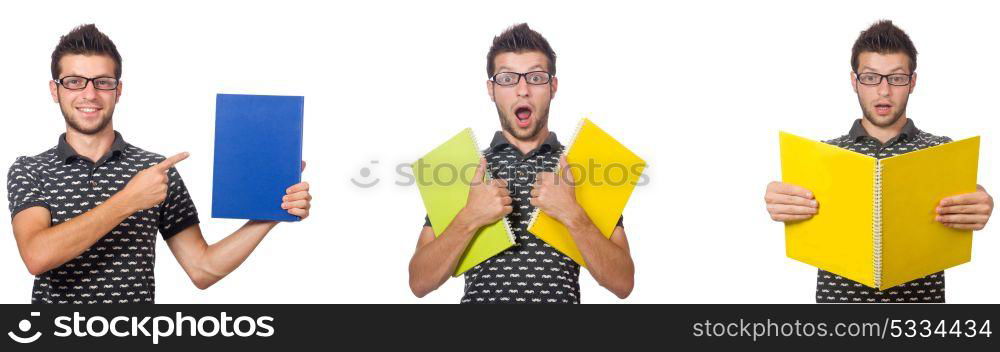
[24, 187]
[178, 211]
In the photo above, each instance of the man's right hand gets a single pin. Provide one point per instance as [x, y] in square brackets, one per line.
[488, 200]
[149, 187]
[788, 202]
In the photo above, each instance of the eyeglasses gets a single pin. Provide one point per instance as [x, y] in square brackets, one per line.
[507, 79]
[874, 79]
[79, 83]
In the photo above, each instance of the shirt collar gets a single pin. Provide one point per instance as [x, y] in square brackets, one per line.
[65, 152]
[550, 143]
[857, 131]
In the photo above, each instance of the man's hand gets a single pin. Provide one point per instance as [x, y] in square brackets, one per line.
[488, 201]
[788, 202]
[44, 246]
[149, 187]
[970, 211]
[608, 259]
[555, 194]
[297, 199]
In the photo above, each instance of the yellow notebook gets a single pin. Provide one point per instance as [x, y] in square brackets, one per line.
[606, 173]
[875, 223]
[443, 177]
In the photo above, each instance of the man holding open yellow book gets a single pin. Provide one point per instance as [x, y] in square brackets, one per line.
[883, 76]
[522, 161]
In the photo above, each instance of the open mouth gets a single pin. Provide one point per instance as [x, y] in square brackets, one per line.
[523, 114]
[883, 109]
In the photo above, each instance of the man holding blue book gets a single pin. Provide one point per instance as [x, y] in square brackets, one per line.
[86, 212]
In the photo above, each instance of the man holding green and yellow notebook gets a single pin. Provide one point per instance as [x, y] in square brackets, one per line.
[931, 237]
[489, 238]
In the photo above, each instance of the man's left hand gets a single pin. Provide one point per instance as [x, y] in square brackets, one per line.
[297, 199]
[555, 194]
[968, 211]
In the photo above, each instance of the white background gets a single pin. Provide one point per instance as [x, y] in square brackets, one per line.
[698, 90]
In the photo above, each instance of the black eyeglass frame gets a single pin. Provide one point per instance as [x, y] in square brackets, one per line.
[90, 81]
[909, 78]
[548, 78]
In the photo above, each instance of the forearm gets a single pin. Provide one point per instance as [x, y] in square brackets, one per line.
[221, 258]
[609, 264]
[434, 262]
[53, 246]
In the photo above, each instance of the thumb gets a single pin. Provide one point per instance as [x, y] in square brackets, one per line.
[564, 170]
[480, 172]
[171, 161]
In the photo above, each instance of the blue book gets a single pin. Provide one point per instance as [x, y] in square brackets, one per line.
[258, 154]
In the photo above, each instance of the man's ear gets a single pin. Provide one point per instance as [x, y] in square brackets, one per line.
[489, 90]
[54, 91]
[553, 87]
[118, 92]
[854, 81]
[913, 82]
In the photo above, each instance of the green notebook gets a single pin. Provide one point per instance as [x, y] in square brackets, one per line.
[443, 177]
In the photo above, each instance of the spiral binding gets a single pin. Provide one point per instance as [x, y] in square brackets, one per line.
[877, 225]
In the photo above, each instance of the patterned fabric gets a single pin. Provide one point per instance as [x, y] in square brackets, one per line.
[118, 268]
[831, 288]
[531, 271]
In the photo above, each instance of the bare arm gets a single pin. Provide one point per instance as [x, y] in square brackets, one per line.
[44, 247]
[608, 260]
[207, 264]
[435, 258]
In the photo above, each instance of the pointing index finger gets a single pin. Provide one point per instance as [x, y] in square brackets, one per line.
[171, 161]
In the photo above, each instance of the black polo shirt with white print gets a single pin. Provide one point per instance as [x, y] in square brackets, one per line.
[531, 271]
[118, 268]
[831, 288]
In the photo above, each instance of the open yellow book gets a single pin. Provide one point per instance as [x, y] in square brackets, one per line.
[444, 177]
[875, 223]
[606, 173]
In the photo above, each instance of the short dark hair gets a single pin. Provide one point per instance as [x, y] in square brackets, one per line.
[85, 40]
[518, 39]
[884, 38]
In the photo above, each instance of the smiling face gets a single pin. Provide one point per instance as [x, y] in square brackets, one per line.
[883, 104]
[523, 108]
[87, 111]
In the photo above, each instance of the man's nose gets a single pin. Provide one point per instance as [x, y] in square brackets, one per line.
[89, 92]
[522, 87]
[883, 87]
